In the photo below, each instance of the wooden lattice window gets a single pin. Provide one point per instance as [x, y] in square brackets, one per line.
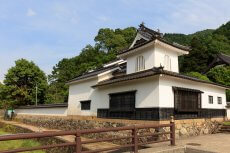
[124, 101]
[140, 63]
[219, 99]
[210, 99]
[187, 100]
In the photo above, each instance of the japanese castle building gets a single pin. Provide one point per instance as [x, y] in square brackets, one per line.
[145, 83]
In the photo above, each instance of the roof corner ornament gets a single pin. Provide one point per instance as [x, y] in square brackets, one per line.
[160, 68]
[142, 24]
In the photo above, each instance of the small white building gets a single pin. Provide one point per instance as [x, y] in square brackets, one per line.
[145, 83]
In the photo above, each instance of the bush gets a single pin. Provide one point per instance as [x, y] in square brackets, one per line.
[198, 75]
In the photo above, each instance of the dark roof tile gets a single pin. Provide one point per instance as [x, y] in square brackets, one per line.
[151, 72]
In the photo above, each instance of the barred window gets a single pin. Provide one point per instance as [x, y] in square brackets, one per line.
[210, 99]
[122, 101]
[85, 105]
[219, 99]
[187, 100]
[167, 63]
[140, 63]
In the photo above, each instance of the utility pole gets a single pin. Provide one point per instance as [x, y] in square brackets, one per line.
[36, 101]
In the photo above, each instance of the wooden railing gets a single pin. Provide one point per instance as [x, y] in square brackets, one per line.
[78, 142]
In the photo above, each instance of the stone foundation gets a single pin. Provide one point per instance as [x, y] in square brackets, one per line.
[184, 128]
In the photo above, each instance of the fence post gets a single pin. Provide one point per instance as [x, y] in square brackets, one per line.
[172, 130]
[78, 142]
[135, 139]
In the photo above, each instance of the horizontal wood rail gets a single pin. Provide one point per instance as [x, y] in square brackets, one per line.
[135, 136]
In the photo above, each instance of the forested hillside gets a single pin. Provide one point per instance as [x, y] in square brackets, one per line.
[204, 45]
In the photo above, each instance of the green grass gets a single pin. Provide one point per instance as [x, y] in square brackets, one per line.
[14, 144]
[226, 123]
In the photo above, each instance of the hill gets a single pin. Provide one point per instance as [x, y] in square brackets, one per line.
[204, 44]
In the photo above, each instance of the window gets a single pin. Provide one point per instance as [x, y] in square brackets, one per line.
[140, 63]
[187, 100]
[85, 105]
[122, 101]
[167, 63]
[122, 105]
[219, 99]
[210, 99]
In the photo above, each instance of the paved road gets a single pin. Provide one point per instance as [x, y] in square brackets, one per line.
[219, 143]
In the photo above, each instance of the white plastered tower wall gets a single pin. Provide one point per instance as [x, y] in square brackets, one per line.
[147, 53]
[166, 95]
[154, 55]
[160, 52]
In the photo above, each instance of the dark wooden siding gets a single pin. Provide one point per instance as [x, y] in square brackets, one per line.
[156, 114]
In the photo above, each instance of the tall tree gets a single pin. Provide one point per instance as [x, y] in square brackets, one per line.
[221, 74]
[115, 40]
[21, 81]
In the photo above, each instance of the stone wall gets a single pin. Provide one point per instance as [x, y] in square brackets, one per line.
[184, 128]
[195, 127]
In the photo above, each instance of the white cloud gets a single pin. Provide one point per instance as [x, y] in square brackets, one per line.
[31, 12]
[103, 18]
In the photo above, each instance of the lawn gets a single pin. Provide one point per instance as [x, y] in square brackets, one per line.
[13, 144]
[226, 123]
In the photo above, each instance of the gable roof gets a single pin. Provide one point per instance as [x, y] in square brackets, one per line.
[152, 72]
[218, 60]
[148, 36]
[143, 43]
[94, 72]
[225, 58]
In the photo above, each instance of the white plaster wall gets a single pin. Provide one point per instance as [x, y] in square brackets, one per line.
[228, 113]
[81, 91]
[166, 96]
[146, 95]
[104, 76]
[160, 53]
[154, 57]
[147, 53]
[56, 111]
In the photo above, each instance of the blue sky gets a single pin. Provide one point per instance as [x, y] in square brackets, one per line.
[46, 31]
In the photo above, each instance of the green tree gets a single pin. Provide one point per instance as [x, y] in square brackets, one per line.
[204, 44]
[198, 75]
[21, 81]
[115, 40]
[220, 74]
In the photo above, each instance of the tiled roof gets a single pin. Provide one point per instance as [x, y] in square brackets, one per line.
[151, 35]
[158, 38]
[93, 73]
[225, 58]
[44, 106]
[151, 72]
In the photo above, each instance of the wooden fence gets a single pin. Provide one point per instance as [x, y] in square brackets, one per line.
[135, 143]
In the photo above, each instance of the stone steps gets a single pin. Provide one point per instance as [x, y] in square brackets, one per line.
[224, 129]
